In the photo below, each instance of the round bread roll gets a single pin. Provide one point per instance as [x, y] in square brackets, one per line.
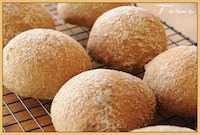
[84, 14]
[19, 17]
[37, 62]
[164, 128]
[126, 38]
[102, 100]
[172, 75]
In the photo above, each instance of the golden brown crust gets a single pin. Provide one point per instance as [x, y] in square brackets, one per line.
[37, 62]
[126, 38]
[84, 14]
[19, 17]
[173, 77]
[164, 128]
[102, 100]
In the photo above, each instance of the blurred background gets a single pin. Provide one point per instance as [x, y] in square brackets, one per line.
[182, 16]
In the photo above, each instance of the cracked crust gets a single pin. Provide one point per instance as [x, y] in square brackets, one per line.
[19, 17]
[37, 62]
[126, 38]
[84, 14]
[172, 75]
[102, 100]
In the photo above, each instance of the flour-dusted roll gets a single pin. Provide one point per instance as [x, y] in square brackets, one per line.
[19, 17]
[84, 14]
[37, 62]
[102, 100]
[164, 128]
[126, 38]
[172, 75]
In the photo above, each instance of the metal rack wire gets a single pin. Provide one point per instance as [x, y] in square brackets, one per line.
[27, 114]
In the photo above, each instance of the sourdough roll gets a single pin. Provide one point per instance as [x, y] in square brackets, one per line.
[172, 75]
[102, 100]
[164, 128]
[37, 62]
[84, 14]
[19, 17]
[126, 38]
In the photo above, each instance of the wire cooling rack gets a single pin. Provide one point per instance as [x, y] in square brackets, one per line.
[27, 114]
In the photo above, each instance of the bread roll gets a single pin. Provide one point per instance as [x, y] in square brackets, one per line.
[172, 75]
[126, 38]
[84, 14]
[19, 17]
[164, 128]
[102, 100]
[37, 62]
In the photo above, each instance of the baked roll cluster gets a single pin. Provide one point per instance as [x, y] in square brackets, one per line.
[43, 63]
